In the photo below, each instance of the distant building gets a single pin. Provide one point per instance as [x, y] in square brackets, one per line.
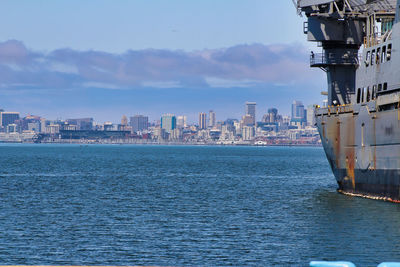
[43, 124]
[212, 119]
[82, 124]
[53, 129]
[181, 122]
[248, 133]
[299, 114]
[124, 121]
[34, 126]
[247, 120]
[168, 122]
[272, 115]
[310, 115]
[202, 121]
[251, 110]
[12, 128]
[108, 126]
[7, 118]
[139, 123]
[298, 111]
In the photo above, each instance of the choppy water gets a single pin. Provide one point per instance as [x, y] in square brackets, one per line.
[176, 205]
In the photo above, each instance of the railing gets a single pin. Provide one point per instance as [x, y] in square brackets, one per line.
[321, 59]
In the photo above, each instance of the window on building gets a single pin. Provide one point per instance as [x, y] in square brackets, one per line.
[372, 57]
[378, 56]
[364, 94]
[383, 58]
[374, 92]
[389, 52]
[367, 58]
[358, 95]
[379, 87]
[385, 86]
[368, 95]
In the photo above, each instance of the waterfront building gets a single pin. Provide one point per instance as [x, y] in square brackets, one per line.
[53, 129]
[248, 133]
[202, 121]
[12, 128]
[34, 126]
[82, 124]
[212, 119]
[139, 123]
[68, 127]
[251, 110]
[108, 126]
[176, 134]
[168, 122]
[7, 118]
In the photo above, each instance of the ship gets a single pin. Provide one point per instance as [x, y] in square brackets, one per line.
[359, 123]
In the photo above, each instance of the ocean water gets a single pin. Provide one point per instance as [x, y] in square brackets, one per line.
[183, 205]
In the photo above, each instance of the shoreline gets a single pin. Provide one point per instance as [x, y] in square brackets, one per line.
[162, 144]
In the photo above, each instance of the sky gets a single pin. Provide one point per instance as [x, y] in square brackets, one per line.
[104, 59]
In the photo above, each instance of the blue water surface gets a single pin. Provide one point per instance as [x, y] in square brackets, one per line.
[184, 205]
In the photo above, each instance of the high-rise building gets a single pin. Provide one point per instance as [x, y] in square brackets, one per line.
[273, 114]
[298, 111]
[202, 121]
[181, 122]
[310, 115]
[139, 123]
[251, 110]
[247, 120]
[168, 122]
[7, 118]
[212, 119]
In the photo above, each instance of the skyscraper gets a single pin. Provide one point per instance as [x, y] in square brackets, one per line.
[139, 123]
[7, 118]
[298, 110]
[203, 120]
[212, 119]
[251, 110]
[168, 122]
[299, 114]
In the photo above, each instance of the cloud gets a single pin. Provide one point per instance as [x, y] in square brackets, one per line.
[241, 66]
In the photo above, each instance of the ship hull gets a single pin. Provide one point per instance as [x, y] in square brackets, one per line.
[362, 145]
[376, 184]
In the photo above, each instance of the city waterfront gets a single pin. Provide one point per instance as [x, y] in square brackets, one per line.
[184, 205]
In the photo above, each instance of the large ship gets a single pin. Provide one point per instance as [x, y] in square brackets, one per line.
[360, 124]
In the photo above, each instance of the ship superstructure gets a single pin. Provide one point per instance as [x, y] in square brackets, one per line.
[360, 126]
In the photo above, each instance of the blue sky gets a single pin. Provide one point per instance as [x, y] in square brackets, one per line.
[103, 59]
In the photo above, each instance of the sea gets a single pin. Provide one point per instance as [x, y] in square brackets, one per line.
[184, 206]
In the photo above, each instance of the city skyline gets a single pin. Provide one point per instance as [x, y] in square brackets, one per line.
[273, 129]
[193, 117]
[155, 61]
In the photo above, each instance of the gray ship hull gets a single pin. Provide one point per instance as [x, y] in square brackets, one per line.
[362, 145]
